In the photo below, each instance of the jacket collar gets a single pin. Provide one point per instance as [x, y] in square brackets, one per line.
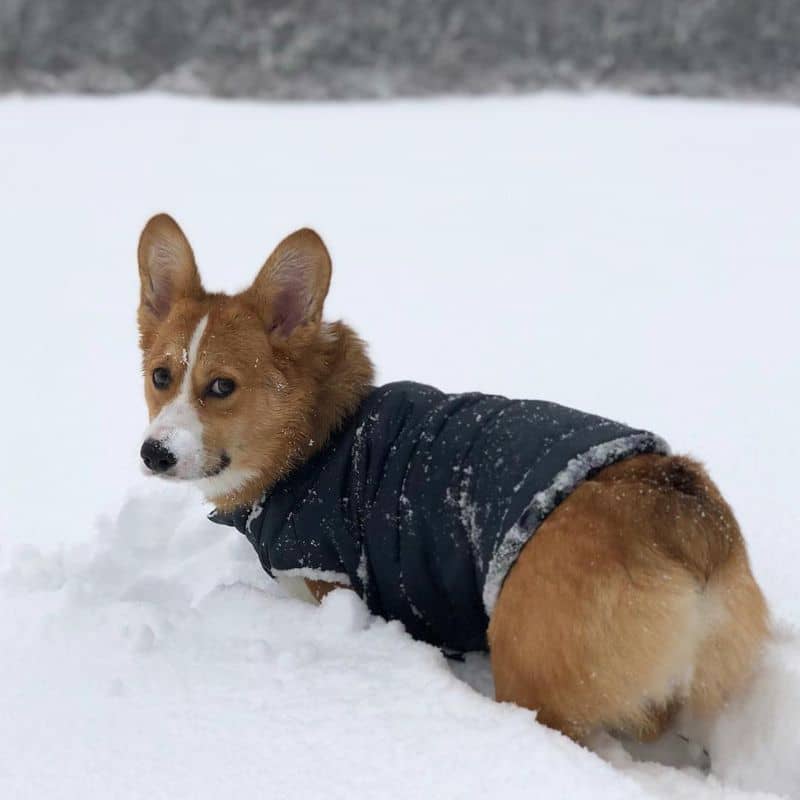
[235, 519]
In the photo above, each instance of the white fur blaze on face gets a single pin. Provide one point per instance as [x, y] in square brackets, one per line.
[177, 426]
[226, 482]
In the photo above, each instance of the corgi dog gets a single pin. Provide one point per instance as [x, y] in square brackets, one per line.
[632, 603]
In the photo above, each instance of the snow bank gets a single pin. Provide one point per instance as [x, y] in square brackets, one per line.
[167, 662]
[157, 657]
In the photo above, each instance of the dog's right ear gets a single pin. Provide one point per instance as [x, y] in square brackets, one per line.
[166, 268]
[291, 287]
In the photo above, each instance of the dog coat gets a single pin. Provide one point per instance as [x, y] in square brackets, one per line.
[423, 501]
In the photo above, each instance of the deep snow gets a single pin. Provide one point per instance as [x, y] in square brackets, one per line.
[634, 258]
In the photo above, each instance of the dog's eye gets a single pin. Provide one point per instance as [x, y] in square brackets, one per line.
[221, 387]
[161, 377]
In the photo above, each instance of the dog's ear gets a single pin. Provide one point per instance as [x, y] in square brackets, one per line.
[292, 285]
[166, 268]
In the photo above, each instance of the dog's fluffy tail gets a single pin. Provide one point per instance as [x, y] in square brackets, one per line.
[699, 526]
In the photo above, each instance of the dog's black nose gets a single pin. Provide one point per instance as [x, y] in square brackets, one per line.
[156, 457]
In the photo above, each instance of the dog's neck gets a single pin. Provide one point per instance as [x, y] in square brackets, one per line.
[341, 375]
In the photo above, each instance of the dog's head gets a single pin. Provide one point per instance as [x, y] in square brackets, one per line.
[240, 388]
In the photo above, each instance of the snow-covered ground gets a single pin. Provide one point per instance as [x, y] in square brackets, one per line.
[637, 258]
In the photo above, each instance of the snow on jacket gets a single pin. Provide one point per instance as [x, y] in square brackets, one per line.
[423, 501]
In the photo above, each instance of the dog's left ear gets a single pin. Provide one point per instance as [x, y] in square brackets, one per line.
[292, 285]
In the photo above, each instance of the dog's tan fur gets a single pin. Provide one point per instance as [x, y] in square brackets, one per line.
[638, 593]
[633, 600]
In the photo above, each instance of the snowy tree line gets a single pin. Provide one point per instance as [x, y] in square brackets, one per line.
[379, 48]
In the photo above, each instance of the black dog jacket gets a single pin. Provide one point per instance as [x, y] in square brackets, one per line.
[423, 501]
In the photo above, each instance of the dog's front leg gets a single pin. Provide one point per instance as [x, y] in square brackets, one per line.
[319, 589]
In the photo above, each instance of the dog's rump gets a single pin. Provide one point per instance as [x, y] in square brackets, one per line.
[423, 501]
